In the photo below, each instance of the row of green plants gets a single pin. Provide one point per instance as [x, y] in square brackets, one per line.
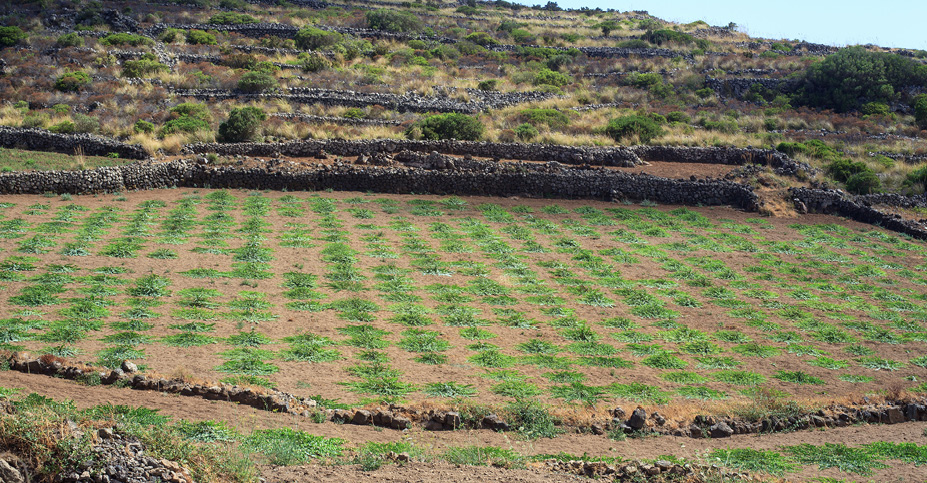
[814, 321]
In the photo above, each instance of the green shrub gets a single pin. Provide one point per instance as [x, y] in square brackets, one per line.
[314, 62]
[171, 35]
[550, 117]
[70, 40]
[558, 61]
[198, 37]
[481, 38]
[874, 109]
[255, 82]
[10, 36]
[920, 110]
[143, 67]
[791, 149]
[195, 110]
[230, 18]
[488, 85]
[72, 81]
[183, 124]
[243, 125]
[63, 127]
[354, 113]
[918, 177]
[663, 36]
[126, 39]
[142, 126]
[447, 126]
[843, 81]
[394, 21]
[551, 78]
[865, 182]
[857, 177]
[85, 124]
[522, 36]
[526, 132]
[608, 26]
[644, 80]
[645, 128]
[634, 44]
[678, 116]
[311, 38]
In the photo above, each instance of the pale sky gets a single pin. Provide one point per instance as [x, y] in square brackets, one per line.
[886, 23]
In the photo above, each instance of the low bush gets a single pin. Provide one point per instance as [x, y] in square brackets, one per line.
[142, 126]
[195, 110]
[918, 177]
[678, 116]
[311, 38]
[874, 109]
[665, 36]
[634, 44]
[185, 124]
[231, 18]
[199, 37]
[314, 62]
[126, 39]
[143, 67]
[447, 126]
[394, 21]
[856, 175]
[645, 128]
[488, 85]
[920, 110]
[551, 78]
[526, 132]
[791, 149]
[171, 35]
[549, 117]
[255, 82]
[481, 38]
[72, 81]
[243, 125]
[70, 40]
[10, 36]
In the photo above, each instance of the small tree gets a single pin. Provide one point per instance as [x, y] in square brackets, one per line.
[608, 26]
[645, 128]
[243, 125]
[447, 126]
[10, 36]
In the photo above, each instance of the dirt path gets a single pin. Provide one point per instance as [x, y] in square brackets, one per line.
[247, 418]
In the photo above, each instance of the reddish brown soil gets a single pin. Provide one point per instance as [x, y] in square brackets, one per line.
[198, 362]
[247, 418]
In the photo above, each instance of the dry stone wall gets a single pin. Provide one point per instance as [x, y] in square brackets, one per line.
[614, 156]
[780, 162]
[474, 178]
[739, 87]
[41, 140]
[408, 102]
[836, 203]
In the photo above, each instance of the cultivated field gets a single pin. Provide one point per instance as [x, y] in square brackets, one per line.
[467, 304]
